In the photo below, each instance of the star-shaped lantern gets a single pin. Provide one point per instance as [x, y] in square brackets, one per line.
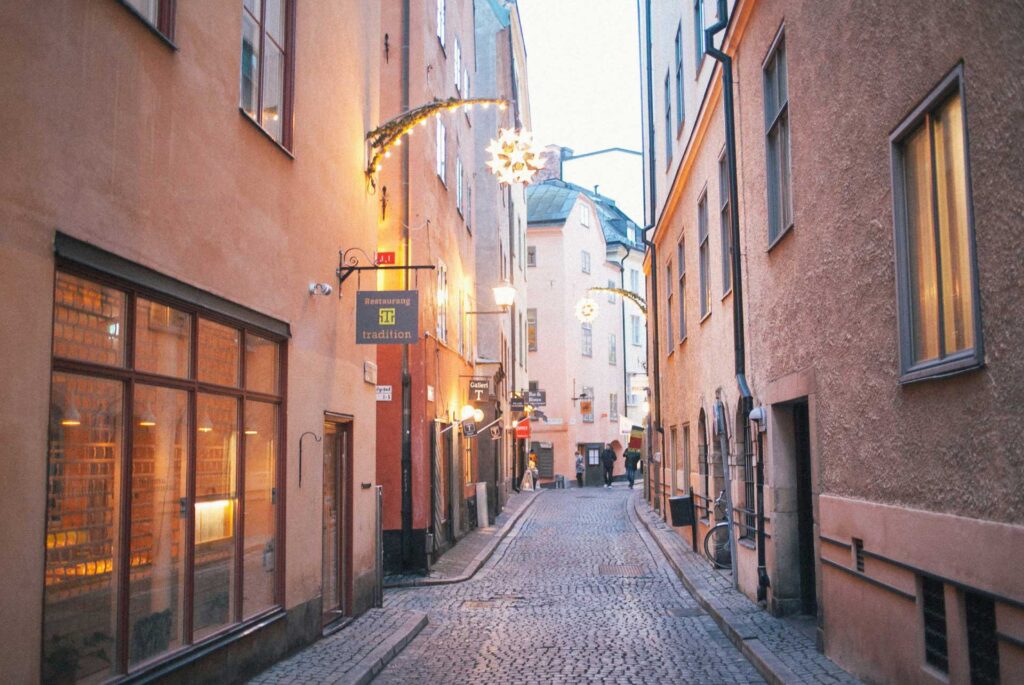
[586, 310]
[515, 158]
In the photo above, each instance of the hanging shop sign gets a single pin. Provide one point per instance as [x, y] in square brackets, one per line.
[388, 317]
[517, 403]
[537, 398]
[495, 432]
[479, 389]
[385, 258]
[586, 407]
[523, 430]
[468, 429]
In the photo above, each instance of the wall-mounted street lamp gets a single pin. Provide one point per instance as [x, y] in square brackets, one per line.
[504, 295]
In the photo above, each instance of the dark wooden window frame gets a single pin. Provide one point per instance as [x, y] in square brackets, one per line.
[129, 377]
[288, 87]
[963, 360]
[681, 258]
[773, 122]
[704, 255]
[725, 221]
[164, 26]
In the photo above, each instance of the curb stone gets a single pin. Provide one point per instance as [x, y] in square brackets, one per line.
[373, 663]
[480, 559]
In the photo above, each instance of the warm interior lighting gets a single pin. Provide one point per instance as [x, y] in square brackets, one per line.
[72, 418]
[147, 420]
[206, 425]
[504, 295]
[467, 412]
[213, 520]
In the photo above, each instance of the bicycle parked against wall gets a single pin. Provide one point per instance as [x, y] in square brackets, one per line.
[716, 540]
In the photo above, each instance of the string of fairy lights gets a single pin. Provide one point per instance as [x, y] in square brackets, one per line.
[515, 158]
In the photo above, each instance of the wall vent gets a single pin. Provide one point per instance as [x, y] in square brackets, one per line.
[933, 602]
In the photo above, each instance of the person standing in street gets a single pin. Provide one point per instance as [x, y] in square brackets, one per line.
[534, 473]
[608, 462]
[579, 469]
[632, 458]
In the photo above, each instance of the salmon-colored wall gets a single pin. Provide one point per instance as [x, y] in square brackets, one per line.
[117, 139]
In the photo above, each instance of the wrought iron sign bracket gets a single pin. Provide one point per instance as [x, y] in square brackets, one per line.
[348, 263]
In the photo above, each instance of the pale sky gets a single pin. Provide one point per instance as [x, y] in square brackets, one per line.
[584, 80]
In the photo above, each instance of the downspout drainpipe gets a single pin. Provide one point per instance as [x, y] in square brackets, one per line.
[406, 376]
[651, 202]
[739, 344]
[622, 307]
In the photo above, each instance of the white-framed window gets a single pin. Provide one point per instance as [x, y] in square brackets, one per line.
[585, 261]
[634, 281]
[776, 123]
[705, 255]
[458, 182]
[635, 329]
[465, 83]
[442, 301]
[611, 295]
[588, 391]
[457, 64]
[613, 406]
[668, 307]
[681, 259]
[698, 31]
[936, 268]
[725, 216]
[440, 21]
[585, 215]
[613, 350]
[531, 255]
[587, 340]
[441, 145]
[679, 77]
[531, 330]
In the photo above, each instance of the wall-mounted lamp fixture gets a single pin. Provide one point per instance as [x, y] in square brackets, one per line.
[320, 289]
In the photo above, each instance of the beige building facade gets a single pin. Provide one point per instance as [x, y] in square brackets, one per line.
[875, 184]
[187, 423]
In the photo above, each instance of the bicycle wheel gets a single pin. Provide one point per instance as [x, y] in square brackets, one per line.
[716, 545]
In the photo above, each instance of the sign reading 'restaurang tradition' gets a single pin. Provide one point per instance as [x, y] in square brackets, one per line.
[390, 317]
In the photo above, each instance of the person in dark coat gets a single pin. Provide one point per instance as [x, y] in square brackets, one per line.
[632, 459]
[608, 462]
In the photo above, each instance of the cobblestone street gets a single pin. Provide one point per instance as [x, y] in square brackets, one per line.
[575, 593]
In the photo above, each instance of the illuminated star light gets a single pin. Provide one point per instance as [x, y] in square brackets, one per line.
[515, 158]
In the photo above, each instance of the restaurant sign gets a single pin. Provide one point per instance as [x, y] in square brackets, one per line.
[389, 317]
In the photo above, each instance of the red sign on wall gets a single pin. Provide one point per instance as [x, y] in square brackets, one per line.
[384, 258]
[523, 429]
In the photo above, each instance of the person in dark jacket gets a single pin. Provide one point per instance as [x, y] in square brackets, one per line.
[608, 462]
[632, 459]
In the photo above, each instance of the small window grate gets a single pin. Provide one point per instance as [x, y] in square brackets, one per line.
[982, 648]
[936, 651]
[858, 553]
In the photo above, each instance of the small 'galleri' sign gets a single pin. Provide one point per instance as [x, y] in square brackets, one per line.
[390, 317]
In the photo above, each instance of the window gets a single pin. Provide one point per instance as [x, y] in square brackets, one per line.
[679, 76]
[587, 405]
[726, 219]
[159, 14]
[933, 607]
[668, 120]
[702, 465]
[126, 396]
[749, 526]
[685, 465]
[440, 21]
[672, 459]
[611, 295]
[705, 255]
[634, 281]
[465, 84]
[635, 330]
[531, 255]
[531, 330]
[584, 215]
[698, 30]
[267, 66]
[939, 319]
[442, 302]
[587, 341]
[522, 339]
[441, 149]
[613, 353]
[458, 182]
[680, 258]
[613, 406]
[457, 64]
[668, 308]
[982, 643]
[776, 124]
[467, 462]
[585, 261]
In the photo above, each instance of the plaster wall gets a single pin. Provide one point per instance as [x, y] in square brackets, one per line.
[124, 142]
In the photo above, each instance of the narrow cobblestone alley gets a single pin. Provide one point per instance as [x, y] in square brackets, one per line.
[574, 594]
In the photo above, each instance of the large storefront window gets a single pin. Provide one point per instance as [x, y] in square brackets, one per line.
[163, 474]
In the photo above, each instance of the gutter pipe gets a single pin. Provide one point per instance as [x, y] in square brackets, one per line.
[651, 202]
[406, 375]
[739, 344]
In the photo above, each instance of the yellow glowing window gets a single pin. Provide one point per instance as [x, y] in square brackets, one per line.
[214, 520]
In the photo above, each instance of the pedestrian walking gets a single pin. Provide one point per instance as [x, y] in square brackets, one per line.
[534, 472]
[632, 460]
[608, 462]
[579, 469]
